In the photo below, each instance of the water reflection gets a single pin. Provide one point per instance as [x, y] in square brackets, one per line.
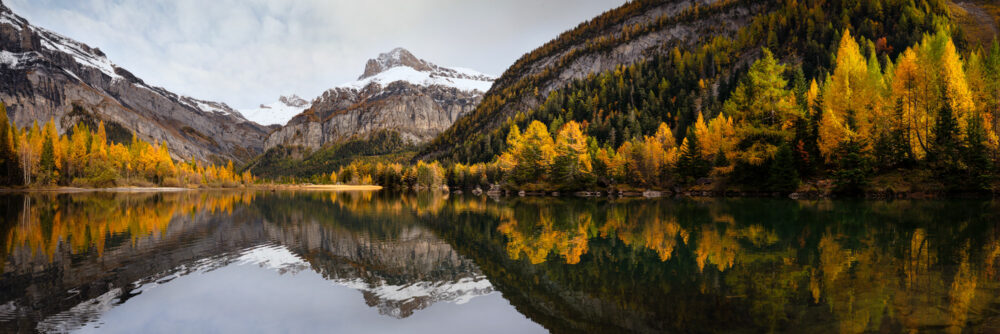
[739, 265]
[71, 258]
[569, 265]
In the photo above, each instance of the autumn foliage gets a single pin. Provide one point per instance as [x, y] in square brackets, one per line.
[40, 156]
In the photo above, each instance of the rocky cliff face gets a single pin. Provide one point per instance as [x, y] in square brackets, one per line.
[397, 92]
[46, 75]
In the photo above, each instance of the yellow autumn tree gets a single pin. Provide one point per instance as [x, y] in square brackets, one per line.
[572, 164]
[907, 83]
[852, 95]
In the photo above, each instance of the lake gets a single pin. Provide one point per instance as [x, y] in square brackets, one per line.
[377, 262]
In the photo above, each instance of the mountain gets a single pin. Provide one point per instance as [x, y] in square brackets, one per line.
[397, 92]
[279, 112]
[650, 61]
[46, 75]
[599, 45]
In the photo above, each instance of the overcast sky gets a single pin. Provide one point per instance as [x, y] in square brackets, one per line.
[247, 52]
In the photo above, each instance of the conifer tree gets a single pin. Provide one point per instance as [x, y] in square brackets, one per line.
[945, 156]
[9, 164]
[784, 176]
[691, 165]
[47, 162]
[976, 155]
[853, 167]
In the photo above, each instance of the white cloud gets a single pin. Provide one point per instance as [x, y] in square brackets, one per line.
[247, 52]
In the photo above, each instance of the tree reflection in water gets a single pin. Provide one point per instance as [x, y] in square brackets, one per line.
[594, 265]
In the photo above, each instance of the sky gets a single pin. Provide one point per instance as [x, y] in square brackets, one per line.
[248, 52]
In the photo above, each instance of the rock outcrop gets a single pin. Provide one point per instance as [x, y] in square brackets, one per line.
[397, 92]
[48, 76]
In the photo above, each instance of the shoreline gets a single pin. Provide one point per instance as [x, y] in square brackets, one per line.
[272, 187]
[319, 187]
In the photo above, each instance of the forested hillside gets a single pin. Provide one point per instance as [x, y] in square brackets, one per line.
[676, 82]
[38, 156]
[850, 96]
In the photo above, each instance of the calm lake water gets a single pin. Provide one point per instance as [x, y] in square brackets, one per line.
[305, 262]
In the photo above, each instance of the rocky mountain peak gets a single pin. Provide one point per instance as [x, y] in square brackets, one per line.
[293, 101]
[395, 58]
[50, 76]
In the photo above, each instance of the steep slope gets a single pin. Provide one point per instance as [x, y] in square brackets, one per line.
[627, 70]
[978, 19]
[397, 92]
[626, 35]
[48, 76]
[279, 112]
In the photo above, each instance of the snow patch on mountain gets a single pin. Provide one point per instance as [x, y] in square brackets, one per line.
[401, 65]
[209, 107]
[9, 58]
[279, 112]
[410, 75]
[80, 52]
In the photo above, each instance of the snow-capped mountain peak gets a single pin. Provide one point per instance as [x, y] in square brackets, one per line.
[401, 65]
[278, 112]
[83, 54]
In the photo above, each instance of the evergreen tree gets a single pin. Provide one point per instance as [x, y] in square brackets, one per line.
[945, 155]
[9, 164]
[720, 159]
[691, 165]
[784, 176]
[976, 155]
[853, 167]
[47, 162]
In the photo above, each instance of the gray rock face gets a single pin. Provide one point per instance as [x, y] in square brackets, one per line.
[418, 111]
[46, 76]
[293, 101]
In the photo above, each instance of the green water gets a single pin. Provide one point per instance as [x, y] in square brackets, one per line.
[380, 262]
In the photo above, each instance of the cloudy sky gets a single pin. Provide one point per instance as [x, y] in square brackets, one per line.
[247, 52]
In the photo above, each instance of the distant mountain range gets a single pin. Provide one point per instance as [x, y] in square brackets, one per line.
[49, 76]
[397, 92]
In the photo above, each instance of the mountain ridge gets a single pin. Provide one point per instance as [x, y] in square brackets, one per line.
[50, 76]
[397, 92]
[621, 36]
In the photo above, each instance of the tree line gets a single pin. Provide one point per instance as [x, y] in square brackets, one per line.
[682, 80]
[82, 157]
[929, 116]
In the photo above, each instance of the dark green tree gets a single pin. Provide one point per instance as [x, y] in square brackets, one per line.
[47, 163]
[945, 155]
[976, 157]
[853, 167]
[784, 176]
[691, 165]
[9, 164]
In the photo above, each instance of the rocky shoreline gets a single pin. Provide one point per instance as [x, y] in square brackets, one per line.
[496, 191]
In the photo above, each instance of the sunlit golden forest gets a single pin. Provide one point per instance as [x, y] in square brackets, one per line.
[40, 156]
[926, 119]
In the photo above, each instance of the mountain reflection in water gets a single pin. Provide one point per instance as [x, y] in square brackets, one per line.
[295, 261]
